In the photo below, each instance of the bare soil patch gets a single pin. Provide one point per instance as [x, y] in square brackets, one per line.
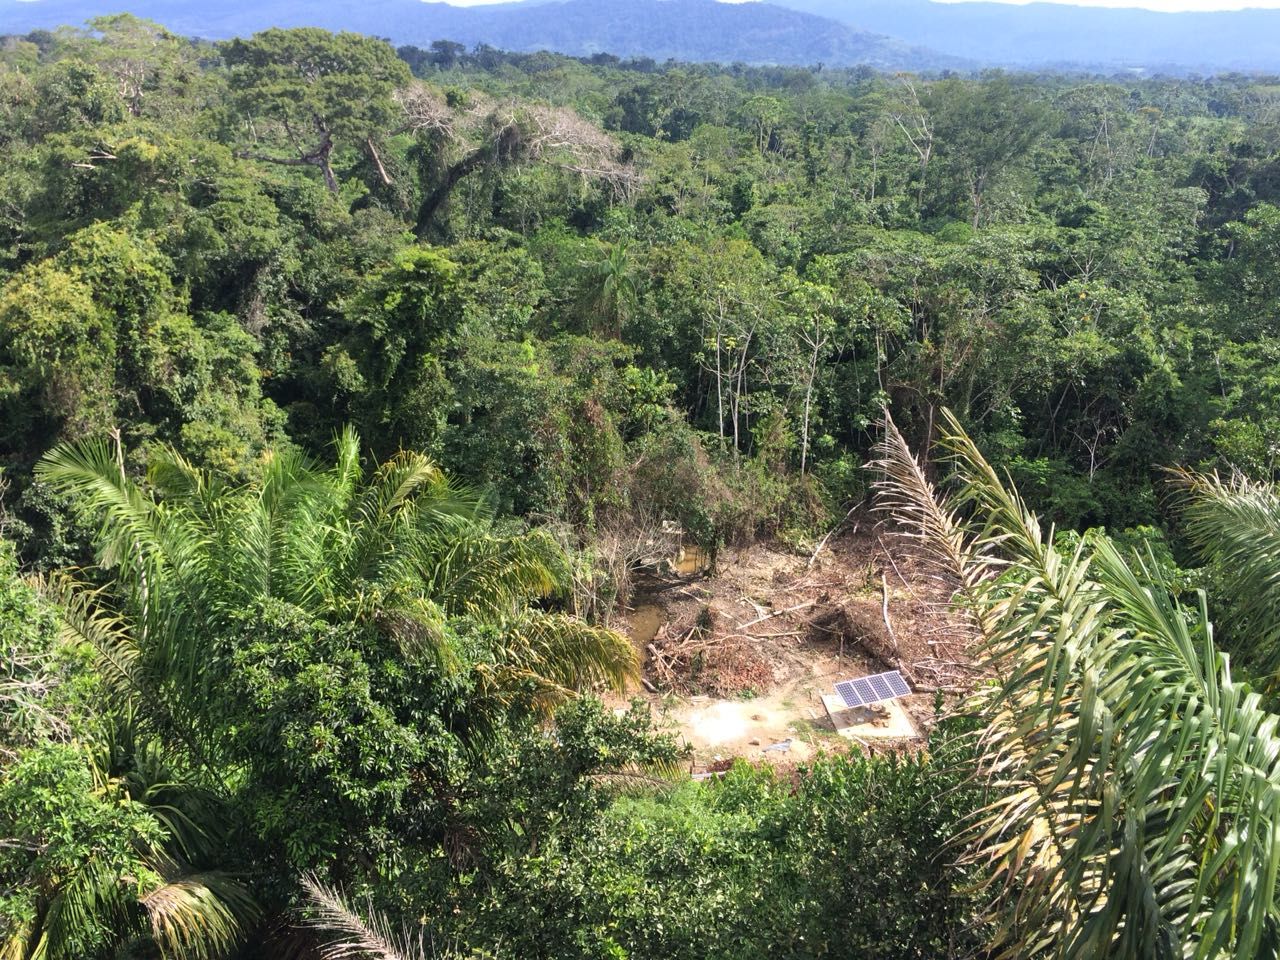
[738, 660]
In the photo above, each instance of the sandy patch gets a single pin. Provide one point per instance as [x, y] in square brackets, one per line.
[783, 727]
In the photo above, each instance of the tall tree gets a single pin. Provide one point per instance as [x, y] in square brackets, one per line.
[151, 66]
[325, 646]
[912, 118]
[610, 292]
[981, 128]
[310, 92]
[488, 135]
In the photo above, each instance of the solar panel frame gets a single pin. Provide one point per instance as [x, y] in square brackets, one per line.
[877, 688]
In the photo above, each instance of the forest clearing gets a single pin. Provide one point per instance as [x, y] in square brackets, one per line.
[739, 661]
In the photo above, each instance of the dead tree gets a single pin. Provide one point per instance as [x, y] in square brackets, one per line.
[505, 136]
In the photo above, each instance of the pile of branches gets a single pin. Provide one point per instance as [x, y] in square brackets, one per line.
[856, 625]
[699, 660]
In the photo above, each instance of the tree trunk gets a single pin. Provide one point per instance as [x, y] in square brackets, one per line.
[468, 164]
[319, 157]
[377, 162]
[808, 406]
[719, 393]
[976, 186]
[330, 180]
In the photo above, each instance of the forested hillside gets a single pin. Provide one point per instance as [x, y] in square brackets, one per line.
[660, 29]
[346, 393]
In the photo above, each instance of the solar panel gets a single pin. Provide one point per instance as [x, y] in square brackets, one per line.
[874, 689]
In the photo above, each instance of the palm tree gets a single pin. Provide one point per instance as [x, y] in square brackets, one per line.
[1134, 783]
[401, 549]
[609, 287]
[131, 876]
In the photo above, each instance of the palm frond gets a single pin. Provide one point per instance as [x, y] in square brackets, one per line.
[159, 554]
[199, 916]
[174, 477]
[383, 513]
[349, 935]
[931, 523]
[418, 625]
[1134, 784]
[1235, 526]
[196, 820]
[275, 537]
[347, 473]
[906, 492]
[85, 618]
[90, 471]
[567, 655]
[448, 499]
[88, 900]
[470, 571]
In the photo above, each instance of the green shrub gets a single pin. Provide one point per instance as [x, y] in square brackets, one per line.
[844, 858]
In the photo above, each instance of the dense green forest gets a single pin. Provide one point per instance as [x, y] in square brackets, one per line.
[344, 390]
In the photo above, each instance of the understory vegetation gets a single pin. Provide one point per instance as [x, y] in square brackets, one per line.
[345, 390]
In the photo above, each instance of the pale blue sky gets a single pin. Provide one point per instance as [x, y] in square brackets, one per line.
[1167, 5]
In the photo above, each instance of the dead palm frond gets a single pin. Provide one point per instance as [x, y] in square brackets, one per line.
[641, 781]
[346, 934]
[200, 916]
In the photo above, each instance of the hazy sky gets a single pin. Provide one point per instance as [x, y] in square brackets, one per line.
[1168, 5]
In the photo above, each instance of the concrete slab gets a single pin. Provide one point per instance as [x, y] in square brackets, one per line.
[884, 721]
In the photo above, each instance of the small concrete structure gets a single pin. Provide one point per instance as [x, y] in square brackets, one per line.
[882, 721]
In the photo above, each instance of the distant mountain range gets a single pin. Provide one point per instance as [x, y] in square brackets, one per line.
[670, 29]
[1058, 34]
[887, 34]
[703, 30]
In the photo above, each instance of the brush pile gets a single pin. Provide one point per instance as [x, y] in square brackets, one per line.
[699, 659]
